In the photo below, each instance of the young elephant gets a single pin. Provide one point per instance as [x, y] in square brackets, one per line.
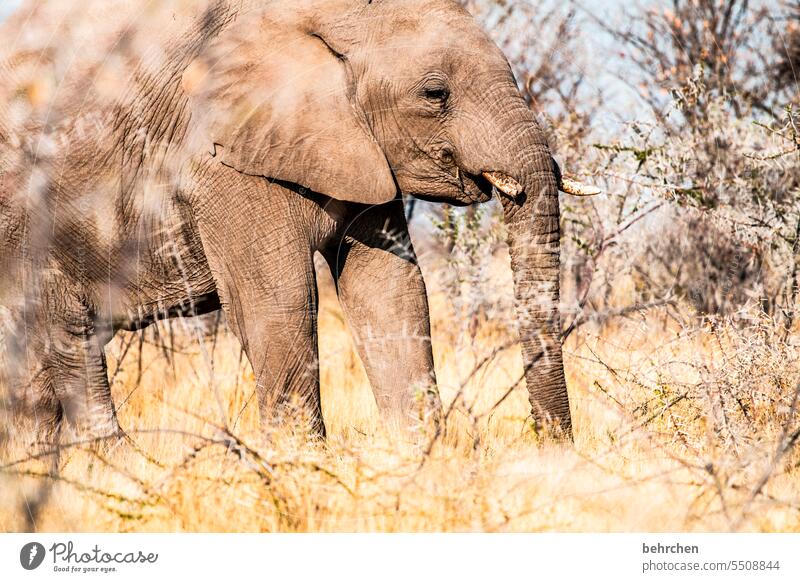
[197, 159]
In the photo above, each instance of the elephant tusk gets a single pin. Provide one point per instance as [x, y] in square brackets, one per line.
[575, 188]
[505, 184]
[512, 188]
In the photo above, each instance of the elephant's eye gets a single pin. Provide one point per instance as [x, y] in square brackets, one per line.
[436, 94]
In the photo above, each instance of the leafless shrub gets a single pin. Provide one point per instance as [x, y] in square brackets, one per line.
[720, 149]
[728, 40]
[786, 47]
[732, 183]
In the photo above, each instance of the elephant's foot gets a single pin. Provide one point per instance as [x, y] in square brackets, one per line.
[110, 439]
[430, 410]
[296, 416]
[92, 424]
[413, 413]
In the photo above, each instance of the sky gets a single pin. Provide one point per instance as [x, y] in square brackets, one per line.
[7, 7]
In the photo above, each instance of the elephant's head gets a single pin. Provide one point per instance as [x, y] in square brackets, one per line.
[358, 99]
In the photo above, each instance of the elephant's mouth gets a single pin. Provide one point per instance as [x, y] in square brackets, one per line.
[476, 187]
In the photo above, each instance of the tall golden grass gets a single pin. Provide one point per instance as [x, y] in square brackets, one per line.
[674, 431]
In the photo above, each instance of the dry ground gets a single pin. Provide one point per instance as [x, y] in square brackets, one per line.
[674, 430]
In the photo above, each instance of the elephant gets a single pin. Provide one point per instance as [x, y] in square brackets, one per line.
[190, 158]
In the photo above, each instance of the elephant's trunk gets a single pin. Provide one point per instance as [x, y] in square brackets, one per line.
[509, 149]
[532, 221]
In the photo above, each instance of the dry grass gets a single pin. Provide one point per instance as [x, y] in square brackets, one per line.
[675, 431]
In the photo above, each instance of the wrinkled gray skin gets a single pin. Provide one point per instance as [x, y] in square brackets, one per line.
[199, 158]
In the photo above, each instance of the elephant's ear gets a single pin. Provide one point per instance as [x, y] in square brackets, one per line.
[273, 100]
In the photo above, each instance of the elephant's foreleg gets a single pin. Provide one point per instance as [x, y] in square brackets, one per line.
[260, 254]
[383, 296]
[282, 347]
